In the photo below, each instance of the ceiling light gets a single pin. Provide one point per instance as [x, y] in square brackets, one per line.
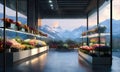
[50, 1]
[51, 5]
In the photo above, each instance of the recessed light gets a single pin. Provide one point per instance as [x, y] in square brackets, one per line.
[51, 5]
[50, 1]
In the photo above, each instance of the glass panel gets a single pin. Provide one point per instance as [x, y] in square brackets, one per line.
[1, 13]
[1, 35]
[92, 29]
[22, 13]
[10, 14]
[1, 25]
[104, 29]
[116, 27]
[84, 30]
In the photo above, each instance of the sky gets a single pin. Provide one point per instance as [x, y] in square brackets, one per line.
[70, 24]
[67, 24]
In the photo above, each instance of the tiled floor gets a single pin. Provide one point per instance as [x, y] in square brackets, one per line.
[55, 61]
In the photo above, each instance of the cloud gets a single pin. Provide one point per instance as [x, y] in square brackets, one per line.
[116, 9]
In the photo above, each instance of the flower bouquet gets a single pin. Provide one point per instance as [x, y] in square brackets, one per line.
[8, 22]
[1, 45]
[26, 28]
[18, 26]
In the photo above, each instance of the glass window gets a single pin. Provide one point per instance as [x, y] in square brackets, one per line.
[1, 13]
[83, 34]
[104, 29]
[116, 24]
[1, 34]
[11, 9]
[104, 26]
[10, 14]
[92, 29]
[22, 13]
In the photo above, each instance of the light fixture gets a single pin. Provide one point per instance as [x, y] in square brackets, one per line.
[50, 1]
[51, 5]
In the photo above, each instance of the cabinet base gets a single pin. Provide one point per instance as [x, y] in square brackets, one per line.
[95, 60]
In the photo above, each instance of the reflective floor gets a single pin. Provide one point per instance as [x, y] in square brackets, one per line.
[55, 61]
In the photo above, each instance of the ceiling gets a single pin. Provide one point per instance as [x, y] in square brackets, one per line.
[58, 8]
[67, 8]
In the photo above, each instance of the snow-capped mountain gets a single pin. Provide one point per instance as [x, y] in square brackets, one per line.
[115, 27]
[61, 34]
[78, 31]
[106, 23]
[55, 32]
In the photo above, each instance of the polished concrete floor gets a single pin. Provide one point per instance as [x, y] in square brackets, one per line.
[55, 61]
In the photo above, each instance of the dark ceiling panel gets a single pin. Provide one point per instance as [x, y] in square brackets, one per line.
[62, 8]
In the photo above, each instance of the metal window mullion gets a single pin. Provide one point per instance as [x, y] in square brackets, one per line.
[111, 31]
[87, 30]
[98, 24]
[4, 38]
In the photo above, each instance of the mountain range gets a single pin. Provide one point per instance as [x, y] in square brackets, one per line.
[60, 34]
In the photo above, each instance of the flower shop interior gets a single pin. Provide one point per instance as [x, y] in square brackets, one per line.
[59, 36]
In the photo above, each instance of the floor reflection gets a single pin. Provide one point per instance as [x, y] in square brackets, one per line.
[55, 61]
[84, 64]
[34, 65]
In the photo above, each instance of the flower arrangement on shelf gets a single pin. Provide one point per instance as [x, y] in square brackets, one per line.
[1, 45]
[31, 29]
[19, 26]
[44, 35]
[99, 29]
[18, 44]
[26, 28]
[36, 32]
[96, 49]
[8, 22]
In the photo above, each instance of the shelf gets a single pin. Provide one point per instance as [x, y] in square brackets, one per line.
[20, 32]
[13, 57]
[95, 60]
[96, 35]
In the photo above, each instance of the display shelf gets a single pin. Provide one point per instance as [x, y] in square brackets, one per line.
[21, 45]
[14, 57]
[96, 49]
[95, 35]
[20, 32]
[95, 60]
